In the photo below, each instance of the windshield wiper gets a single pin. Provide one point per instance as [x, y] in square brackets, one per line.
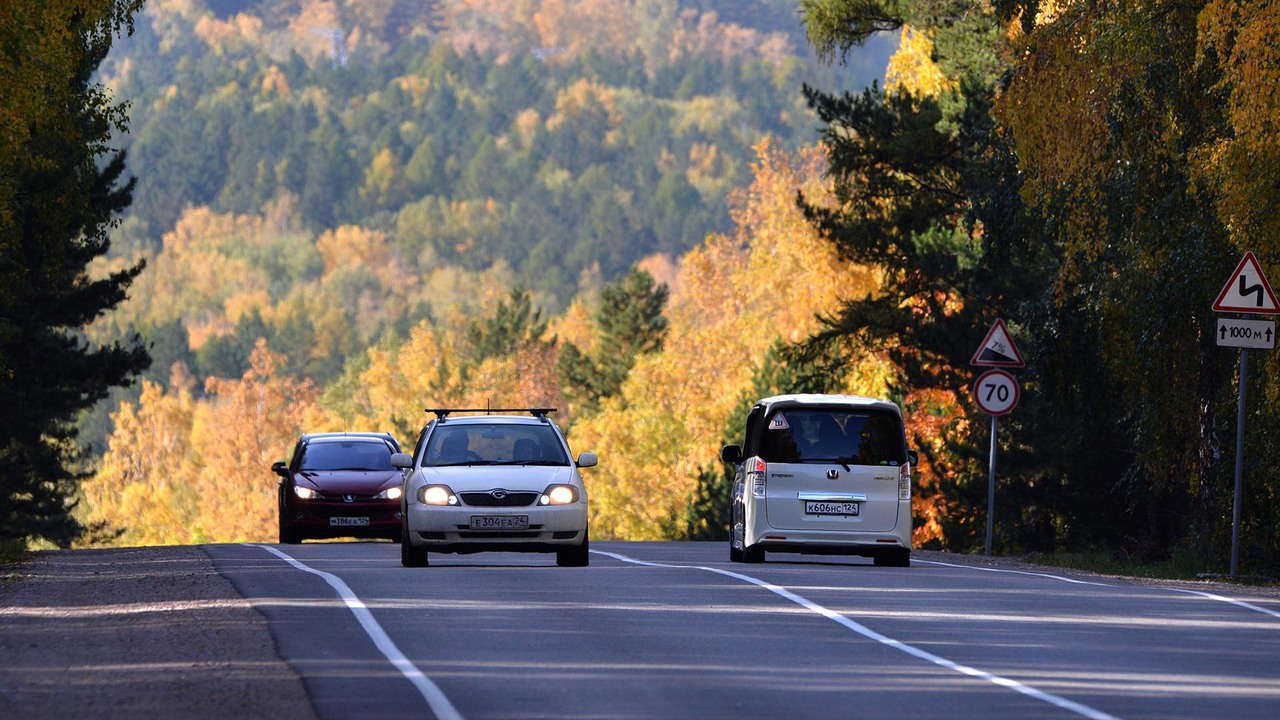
[842, 461]
[527, 462]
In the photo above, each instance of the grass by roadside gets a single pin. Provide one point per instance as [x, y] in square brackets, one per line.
[12, 554]
[1181, 566]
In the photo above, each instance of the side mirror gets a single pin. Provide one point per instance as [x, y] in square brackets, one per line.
[587, 459]
[401, 460]
[280, 468]
[731, 454]
[913, 457]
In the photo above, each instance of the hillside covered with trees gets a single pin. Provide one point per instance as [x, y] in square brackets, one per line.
[318, 173]
[648, 213]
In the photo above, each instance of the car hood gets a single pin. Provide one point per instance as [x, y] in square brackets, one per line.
[357, 482]
[463, 478]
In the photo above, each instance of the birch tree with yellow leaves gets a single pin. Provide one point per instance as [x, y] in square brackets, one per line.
[734, 297]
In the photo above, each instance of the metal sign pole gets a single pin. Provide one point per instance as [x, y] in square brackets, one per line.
[991, 484]
[1239, 473]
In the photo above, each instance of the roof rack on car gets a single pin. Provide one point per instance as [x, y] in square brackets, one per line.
[442, 413]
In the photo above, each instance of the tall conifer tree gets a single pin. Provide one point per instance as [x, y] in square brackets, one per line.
[62, 188]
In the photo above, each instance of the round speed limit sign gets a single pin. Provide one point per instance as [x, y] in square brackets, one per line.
[996, 392]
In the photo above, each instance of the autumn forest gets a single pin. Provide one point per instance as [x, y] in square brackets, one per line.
[306, 215]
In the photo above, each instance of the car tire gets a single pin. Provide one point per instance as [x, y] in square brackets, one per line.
[735, 555]
[411, 556]
[753, 554]
[576, 556]
[288, 535]
[894, 558]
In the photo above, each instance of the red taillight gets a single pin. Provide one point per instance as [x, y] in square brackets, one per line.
[757, 478]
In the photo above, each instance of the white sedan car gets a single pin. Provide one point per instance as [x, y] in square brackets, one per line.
[489, 482]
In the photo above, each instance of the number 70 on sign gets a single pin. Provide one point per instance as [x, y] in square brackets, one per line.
[996, 392]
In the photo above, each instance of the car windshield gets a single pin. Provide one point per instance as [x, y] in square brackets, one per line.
[346, 455]
[855, 437]
[494, 444]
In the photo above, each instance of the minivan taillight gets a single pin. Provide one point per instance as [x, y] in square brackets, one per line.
[757, 479]
[904, 482]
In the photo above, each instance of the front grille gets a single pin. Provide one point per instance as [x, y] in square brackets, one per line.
[485, 534]
[491, 499]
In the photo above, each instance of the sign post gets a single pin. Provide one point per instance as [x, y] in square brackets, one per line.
[996, 393]
[1246, 291]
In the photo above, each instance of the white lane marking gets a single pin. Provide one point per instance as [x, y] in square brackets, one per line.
[1206, 595]
[1233, 601]
[1013, 572]
[1061, 702]
[435, 697]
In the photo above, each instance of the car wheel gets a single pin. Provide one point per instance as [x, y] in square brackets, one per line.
[894, 558]
[735, 555]
[753, 554]
[577, 556]
[288, 535]
[411, 556]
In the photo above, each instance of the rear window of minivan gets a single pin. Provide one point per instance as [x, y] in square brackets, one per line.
[856, 437]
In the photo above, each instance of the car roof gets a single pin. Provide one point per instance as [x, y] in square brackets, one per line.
[338, 436]
[493, 420]
[823, 399]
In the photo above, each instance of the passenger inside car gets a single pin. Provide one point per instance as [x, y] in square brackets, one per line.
[525, 450]
[454, 448]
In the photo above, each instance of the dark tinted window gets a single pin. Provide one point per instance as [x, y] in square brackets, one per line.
[497, 444]
[346, 455]
[857, 437]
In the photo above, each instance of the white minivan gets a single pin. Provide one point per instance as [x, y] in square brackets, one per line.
[822, 474]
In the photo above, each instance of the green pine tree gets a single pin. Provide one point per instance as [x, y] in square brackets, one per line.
[68, 189]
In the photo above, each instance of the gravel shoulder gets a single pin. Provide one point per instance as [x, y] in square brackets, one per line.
[136, 633]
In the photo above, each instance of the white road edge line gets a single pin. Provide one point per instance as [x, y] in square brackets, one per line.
[435, 697]
[1073, 581]
[1200, 593]
[1061, 702]
[1232, 601]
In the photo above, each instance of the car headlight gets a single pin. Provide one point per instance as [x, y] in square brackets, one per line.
[391, 493]
[437, 495]
[559, 495]
[305, 493]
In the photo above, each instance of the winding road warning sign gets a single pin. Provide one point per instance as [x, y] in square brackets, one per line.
[1248, 290]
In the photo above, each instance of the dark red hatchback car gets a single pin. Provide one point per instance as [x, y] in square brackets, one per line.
[340, 485]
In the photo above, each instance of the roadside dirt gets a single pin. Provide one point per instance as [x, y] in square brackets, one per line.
[86, 633]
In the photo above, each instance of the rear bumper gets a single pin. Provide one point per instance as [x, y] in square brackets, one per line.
[758, 533]
[870, 547]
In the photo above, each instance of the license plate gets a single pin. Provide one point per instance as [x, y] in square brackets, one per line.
[499, 522]
[348, 522]
[822, 507]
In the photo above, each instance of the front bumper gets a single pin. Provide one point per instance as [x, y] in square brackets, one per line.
[450, 529]
[323, 518]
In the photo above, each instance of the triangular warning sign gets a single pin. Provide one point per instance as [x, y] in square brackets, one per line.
[1248, 290]
[998, 350]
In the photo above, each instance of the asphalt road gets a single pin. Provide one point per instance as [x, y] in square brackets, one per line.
[674, 630]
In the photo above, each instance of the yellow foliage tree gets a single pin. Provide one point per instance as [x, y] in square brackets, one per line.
[246, 425]
[912, 67]
[145, 488]
[736, 295]
[181, 470]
